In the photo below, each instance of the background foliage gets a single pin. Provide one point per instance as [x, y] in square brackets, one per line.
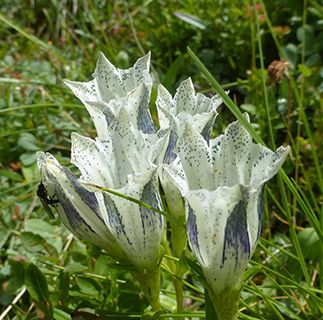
[43, 42]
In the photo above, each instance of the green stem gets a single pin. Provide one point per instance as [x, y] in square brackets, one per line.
[179, 295]
[150, 285]
[178, 237]
[176, 269]
[226, 303]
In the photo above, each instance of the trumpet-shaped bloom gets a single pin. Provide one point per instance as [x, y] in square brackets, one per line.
[124, 229]
[174, 113]
[224, 199]
[80, 210]
[185, 107]
[122, 158]
[126, 151]
[125, 163]
[110, 89]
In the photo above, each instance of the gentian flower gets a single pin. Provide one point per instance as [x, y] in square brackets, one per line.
[80, 210]
[110, 87]
[185, 107]
[122, 158]
[224, 204]
[174, 113]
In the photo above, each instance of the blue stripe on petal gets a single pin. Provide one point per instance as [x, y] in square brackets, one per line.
[192, 232]
[109, 116]
[87, 197]
[74, 218]
[206, 132]
[170, 156]
[145, 122]
[115, 219]
[236, 234]
[150, 196]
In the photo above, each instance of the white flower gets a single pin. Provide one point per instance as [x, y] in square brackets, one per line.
[80, 210]
[174, 113]
[123, 157]
[110, 82]
[185, 107]
[224, 199]
[125, 162]
[110, 89]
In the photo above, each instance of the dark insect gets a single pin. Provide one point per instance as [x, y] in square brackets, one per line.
[46, 200]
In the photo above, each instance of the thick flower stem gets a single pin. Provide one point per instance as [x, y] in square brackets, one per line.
[226, 303]
[150, 285]
[178, 236]
[179, 240]
[179, 296]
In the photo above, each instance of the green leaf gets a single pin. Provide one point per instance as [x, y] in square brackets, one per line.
[74, 267]
[63, 285]
[88, 286]
[17, 278]
[250, 273]
[11, 175]
[40, 227]
[61, 315]
[291, 54]
[28, 142]
[36, 284]
[4, 236]
[250, 108]
[28, 159]
[102, 265]
[172, 71]
[310, 243]
[31, 173]
[32, 242]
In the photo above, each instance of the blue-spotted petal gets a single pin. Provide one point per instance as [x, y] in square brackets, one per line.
[126, 151]
[135, 103]
[236, 159]
[80, 210]
[137, 230]
[186, 104]
[111, 84]
[186, 107]
[218, 233]
[195, 156]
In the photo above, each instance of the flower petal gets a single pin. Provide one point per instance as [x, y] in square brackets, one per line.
[94, 159]
[186, 107]
[110, 84]
[138, 230]
[195, 156]
[135, 103]
[79, 209]
[173, 182]
[217, 230]
[236, 159]
[126, 151]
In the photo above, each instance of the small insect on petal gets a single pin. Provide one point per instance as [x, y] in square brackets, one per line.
[47, 201]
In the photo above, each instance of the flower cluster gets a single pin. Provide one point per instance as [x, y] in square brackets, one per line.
[215, 186]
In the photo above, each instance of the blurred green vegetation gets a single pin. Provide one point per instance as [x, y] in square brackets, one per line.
[43, 42]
